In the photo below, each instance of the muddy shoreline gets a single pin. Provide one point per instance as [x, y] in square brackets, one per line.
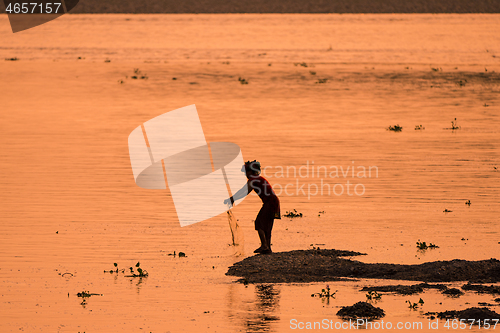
[335, 265]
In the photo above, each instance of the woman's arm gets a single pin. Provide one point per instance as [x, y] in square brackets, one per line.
[243, 192]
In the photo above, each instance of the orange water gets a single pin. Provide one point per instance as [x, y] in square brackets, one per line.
[70, 204]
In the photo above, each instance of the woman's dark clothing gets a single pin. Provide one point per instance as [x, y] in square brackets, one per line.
[270, 204]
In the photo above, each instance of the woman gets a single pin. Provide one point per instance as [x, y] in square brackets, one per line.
[270, 203]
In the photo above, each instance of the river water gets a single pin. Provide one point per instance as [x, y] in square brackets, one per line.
[322, 89]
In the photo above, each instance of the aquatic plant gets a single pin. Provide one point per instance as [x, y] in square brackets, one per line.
[414, 306]
[419, 127]
[140, 271]
[242, 81]
[292, 214]
[395, 128]
[373, 295]
[454, 125]
[325, 293]
[424, 246]
[139, 75]
[117, 270]
[86, 294]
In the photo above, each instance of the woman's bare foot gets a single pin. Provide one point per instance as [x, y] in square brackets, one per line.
[259, 250]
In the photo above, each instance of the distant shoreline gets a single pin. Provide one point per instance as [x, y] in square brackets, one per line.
[286, 6]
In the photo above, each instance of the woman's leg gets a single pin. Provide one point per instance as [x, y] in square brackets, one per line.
[263, 240]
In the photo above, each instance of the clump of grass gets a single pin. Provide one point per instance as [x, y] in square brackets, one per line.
[325, 293]
[419, 127]
[292, 214]
[242, 81]
[373, 295]
[395, 128]
[424, 246]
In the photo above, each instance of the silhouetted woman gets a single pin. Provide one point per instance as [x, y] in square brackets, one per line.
[270, 203]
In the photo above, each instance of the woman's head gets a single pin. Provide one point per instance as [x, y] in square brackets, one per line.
[251, 168]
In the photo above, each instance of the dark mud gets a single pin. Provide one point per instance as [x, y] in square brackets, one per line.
[475, 314]
[406, 290]
[453, 292]
[360, 310]
[330, 265]
[482, 289]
